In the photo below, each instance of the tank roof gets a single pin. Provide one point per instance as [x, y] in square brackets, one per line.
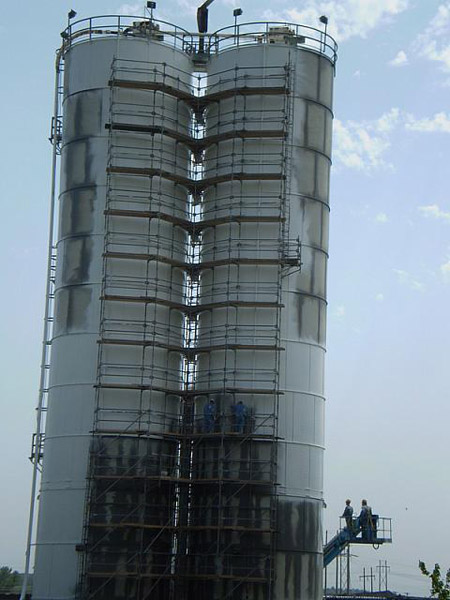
[194, 44]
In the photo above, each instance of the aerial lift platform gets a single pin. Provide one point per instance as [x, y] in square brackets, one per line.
[378, 532]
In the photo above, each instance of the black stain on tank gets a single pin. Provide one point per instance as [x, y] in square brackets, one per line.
[72, 307]
[313, 271]
[85, 118]
[77, 212]
[61, 309]
[299, 525]
[77, 260]
[88, 165]
[299, 546]
[300, 307]
[79, 301]
[82, 211]
[77, 116]
[218, 504]
[135, 505]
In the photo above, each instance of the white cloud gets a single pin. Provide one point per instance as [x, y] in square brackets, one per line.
[433, 43]
[405, 278]
[131, 9]
[381, 218]
[445, 271]
[439, 122]
[188, 7]
[388, 121]
[232, 3]
[361, 145]
[347, 18]
[400, 60]
[347, 150]
[180, 8]
[433, 210]
[379, 297]
[339, 312]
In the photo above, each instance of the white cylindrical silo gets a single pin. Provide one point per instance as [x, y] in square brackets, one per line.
[120, 284]
[303, 330]
[267, 324]
[178, 283]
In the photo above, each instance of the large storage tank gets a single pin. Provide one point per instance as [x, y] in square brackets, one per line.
[184, 439]
[116, 365]
[268, 324]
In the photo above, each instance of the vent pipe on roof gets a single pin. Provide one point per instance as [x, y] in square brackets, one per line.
[202, 23]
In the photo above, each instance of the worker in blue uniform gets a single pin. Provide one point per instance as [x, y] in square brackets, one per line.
[348, 515]
[209, 416]
[365, 521]
[240, 416]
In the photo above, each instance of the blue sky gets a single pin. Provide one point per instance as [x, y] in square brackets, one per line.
[389, 268]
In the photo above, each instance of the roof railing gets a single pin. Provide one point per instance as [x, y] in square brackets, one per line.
[194, 44]
[106, 26]
[273, 32]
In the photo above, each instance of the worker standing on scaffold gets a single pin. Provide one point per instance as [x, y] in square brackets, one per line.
[209, 416]
[240, 416]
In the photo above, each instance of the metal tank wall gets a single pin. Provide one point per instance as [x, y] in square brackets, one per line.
[80, 356]
[303, 164]
[303, 329]
[111, 522]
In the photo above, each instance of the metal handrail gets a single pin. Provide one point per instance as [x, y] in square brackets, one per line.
[259, 32]
[115, 25]
[383, 527]
[242, 34]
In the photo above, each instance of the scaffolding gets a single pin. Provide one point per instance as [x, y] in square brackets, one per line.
[179, 503]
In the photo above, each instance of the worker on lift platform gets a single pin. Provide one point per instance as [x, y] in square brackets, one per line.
[366, 522]
[348, 515]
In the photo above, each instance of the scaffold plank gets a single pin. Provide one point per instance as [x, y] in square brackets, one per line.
[198, 144]
[199, 102]
[195, 185]
[145, 299]
[149, 214]
[147, 257]
[137, 525]
[210, 264]
[191, 309]
[193, 225]
[183, 435]
[153, 86]
[191, 393]
[140, 575]
[184, 350]
[223, 481]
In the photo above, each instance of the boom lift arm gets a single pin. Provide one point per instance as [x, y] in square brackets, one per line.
[380, 532]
